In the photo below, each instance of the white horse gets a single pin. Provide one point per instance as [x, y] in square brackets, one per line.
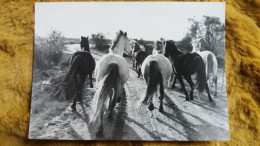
[210, 61]
[156, 70]
[112, 71]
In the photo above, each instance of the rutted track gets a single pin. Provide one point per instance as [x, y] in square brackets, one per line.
[196, 120]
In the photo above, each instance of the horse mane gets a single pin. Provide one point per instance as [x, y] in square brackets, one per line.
[115, 42]
[158, 45]
[171, 49]
[136, 47]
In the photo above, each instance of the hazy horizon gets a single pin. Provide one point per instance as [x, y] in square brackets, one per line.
[146, 20]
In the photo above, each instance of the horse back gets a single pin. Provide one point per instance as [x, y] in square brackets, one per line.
[187, 64]
[141, 55]
[87, 60]
[164, 65]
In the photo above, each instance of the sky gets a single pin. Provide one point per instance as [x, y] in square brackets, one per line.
[146, 20]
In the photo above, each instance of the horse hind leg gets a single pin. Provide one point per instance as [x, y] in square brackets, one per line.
[73, 106]
[81, 83]
[133, 62]
[207, 90]
[215, 80]
[139, 71]
[174, 82]
[90, 79]
[192, 86]
[112, 104]
[161, 97]
[123, 94]
[183, 87]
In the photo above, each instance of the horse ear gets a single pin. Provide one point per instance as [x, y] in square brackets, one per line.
[87, 38]
[82, 37]
[125, 34]
[120, 32]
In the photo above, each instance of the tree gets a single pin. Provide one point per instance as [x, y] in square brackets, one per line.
[56, 44]
[209, 32]
[214, 32]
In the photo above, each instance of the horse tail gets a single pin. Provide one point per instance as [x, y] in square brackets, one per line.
[155, 78]
[200, 69]
[104, 87]
[73, 69]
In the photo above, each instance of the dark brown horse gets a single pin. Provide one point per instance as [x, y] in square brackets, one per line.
[139, 59]
[140, 55]
[82, 64]
[186, 65]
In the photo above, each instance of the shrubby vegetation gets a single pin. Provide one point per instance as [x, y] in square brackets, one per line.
[185, 44]
[100, 42]
[48, 51]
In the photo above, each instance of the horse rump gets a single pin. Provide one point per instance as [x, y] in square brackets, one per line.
[104, 88]
[155, 78]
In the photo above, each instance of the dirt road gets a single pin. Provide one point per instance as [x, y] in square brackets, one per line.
[196, 120]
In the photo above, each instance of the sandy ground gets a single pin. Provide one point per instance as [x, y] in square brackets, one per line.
[182, 120]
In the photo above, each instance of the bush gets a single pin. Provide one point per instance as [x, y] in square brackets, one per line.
[100, 42]
[48, 52]
[185, 44]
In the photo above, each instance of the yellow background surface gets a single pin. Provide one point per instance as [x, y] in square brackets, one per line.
[242, 67]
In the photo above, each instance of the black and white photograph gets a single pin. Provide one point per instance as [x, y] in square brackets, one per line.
[149, 71]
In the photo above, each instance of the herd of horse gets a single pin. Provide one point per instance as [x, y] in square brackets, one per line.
[157, 69]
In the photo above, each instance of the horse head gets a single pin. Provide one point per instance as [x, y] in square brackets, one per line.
[121, 44]
[136, 47]
[84, 43]
[158, 47]
[196, 45]
[170, 49]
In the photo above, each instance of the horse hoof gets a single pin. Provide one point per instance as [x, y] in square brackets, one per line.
[91, 86]
[151, 107]
[161, 110]
[213, 103]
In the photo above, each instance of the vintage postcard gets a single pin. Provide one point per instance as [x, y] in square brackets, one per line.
[152, 71]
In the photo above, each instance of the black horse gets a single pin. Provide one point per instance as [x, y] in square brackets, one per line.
[139, 58]
[82, 64]
[141, 55]
[186, 65]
